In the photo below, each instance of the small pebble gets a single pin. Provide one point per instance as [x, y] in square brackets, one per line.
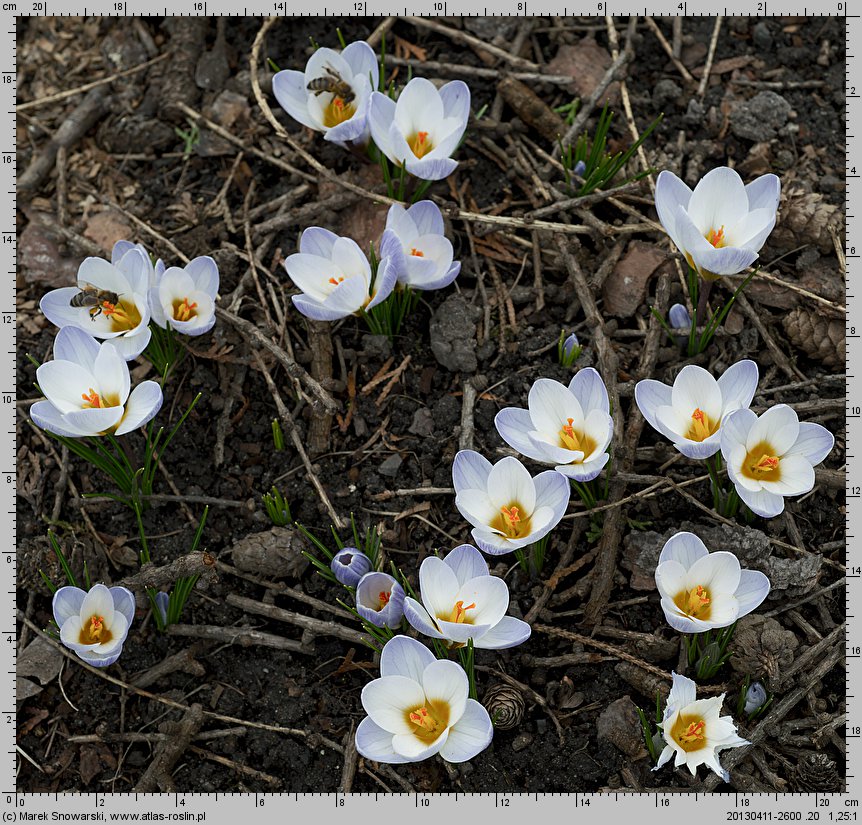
[522, 740]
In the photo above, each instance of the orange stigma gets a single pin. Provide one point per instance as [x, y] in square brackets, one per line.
[511, 513]
[423, 719]
[418, 253]
[701, 427]
[93, 400]
[716, 238]
[115, 312]
[336, 281]
[419, 144]
[568, 437]
[384, 597]
[459, 612]
[698, 598]
[694, 732]
[767, 463]
[184, 310]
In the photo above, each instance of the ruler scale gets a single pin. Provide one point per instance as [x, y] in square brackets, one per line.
[367, 807]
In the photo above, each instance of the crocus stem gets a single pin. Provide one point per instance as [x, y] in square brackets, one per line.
[703, 299]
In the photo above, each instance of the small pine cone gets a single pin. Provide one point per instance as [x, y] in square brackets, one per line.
[505, 706]
[762, 648]
[819, 338]
[815, 772]
[805, 218]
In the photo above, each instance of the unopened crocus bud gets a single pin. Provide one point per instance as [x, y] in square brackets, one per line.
[349, 566]
[162, 600]
[679, 317]
[380, 600]
[580, 168]
[570, 344]
[755, 697]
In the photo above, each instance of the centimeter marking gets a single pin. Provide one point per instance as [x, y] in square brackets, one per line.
[201, 807]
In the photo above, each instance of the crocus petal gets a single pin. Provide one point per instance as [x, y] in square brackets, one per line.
[718, 199]
[419, 106]
[778, 426]
[699, 449]
[361, 60]
[553, 491]
[735, 428]
[387, 701]
[316, 310]
[763, 193]
[455, 96]
[94, 421]
[63, 383]
[470, 735]
[384, 283]
[427, 218]
[814, 443]
[508, 632]
[67, 603]
[381, 113]
[551, 405]
[490, 595]
[428, 168]
[438, 585]
[403, 656]
[112, 373]
[650, 396]
[670, 577]
[752, 230]
[144, 403]
[590, 390]
[470, 470]
[694, 388]
[466, 562]
[373, 742]
[492, 543]
[416, 749]
[509, 481]
[124, 602]
[752, 590]
[288, 86]
[586, 471]
[685, 548]
[683, 691]
[97, 660]
[316, 240]
[727, 260]
[797, 477]
[446, 682]
[129, 346]
[75, 345]
[98, 602]
[47, 417]
[671, 193]
[420, 619]
[476, 507]
[762, 502]
[738, 383]
[203, 271]
[717, 571]
[461, 632]
[513, 425]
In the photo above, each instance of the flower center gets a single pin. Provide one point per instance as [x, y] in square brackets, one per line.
[337, 112]
[695, 603]
[419, 144]
[701, 426]
[383, 599]
[123, 316]
[572, 439]
[417, 253]
[689, 732]
[716, 237]
[430, 719]
[94, 632]
[183, 310]
[92, 399]
[512, 521]
[761, 463]
[459, 613]
[336, 281]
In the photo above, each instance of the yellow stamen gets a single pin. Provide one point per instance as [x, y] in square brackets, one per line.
[512, 521]
[568, 437]
[695, 602]
[419, 144]
[701, 427]
[383, 597]
[459, 612]
[762, 463]
[418, 253]
[694, 732]
[94, 631]
[337, 112]
[123, 316]
[716, 237]
[689, 732]
[93, 399]
[183, 310]
[423, 719]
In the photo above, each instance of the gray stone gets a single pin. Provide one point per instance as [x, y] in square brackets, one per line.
[761, 36]
[620, 725]
[522, 740]
[760, 118]
[390, 466]
[376, 346]
[665, 91]
[422, 423]
[453, 335]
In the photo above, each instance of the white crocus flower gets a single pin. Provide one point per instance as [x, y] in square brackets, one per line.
[702, 590]
[420, 251]
[423, 127]
[116, 300]
[694, 730]
[568, 427]
[691, 412]
[184, 299]
[335, 276]
[772, 456]
[461, 600]
[333, 94]
[419, 707]
[507, 507]
[156, 270]
[721, 225]
[86, 388]
[94, 624]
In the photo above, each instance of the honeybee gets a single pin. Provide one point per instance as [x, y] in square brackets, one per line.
[94, 298]
[333, 83]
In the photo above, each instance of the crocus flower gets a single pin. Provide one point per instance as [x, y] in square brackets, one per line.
[380, 600]
[702, 590]
[694, 731]
[691, 412]
[507, 507]
[461, 600]
[420, 251]
[111, 300]
[423, 128]
[772, 456]
[86, 388]
[755, 698]
[184, 299]
[156, 270]
[570, 345]
[94, 624]
[332, 95]
[569, 427]
[679, 317]
[162, 601]
[349, 565]
[419, 707]
[719, 227]
[335, 276]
